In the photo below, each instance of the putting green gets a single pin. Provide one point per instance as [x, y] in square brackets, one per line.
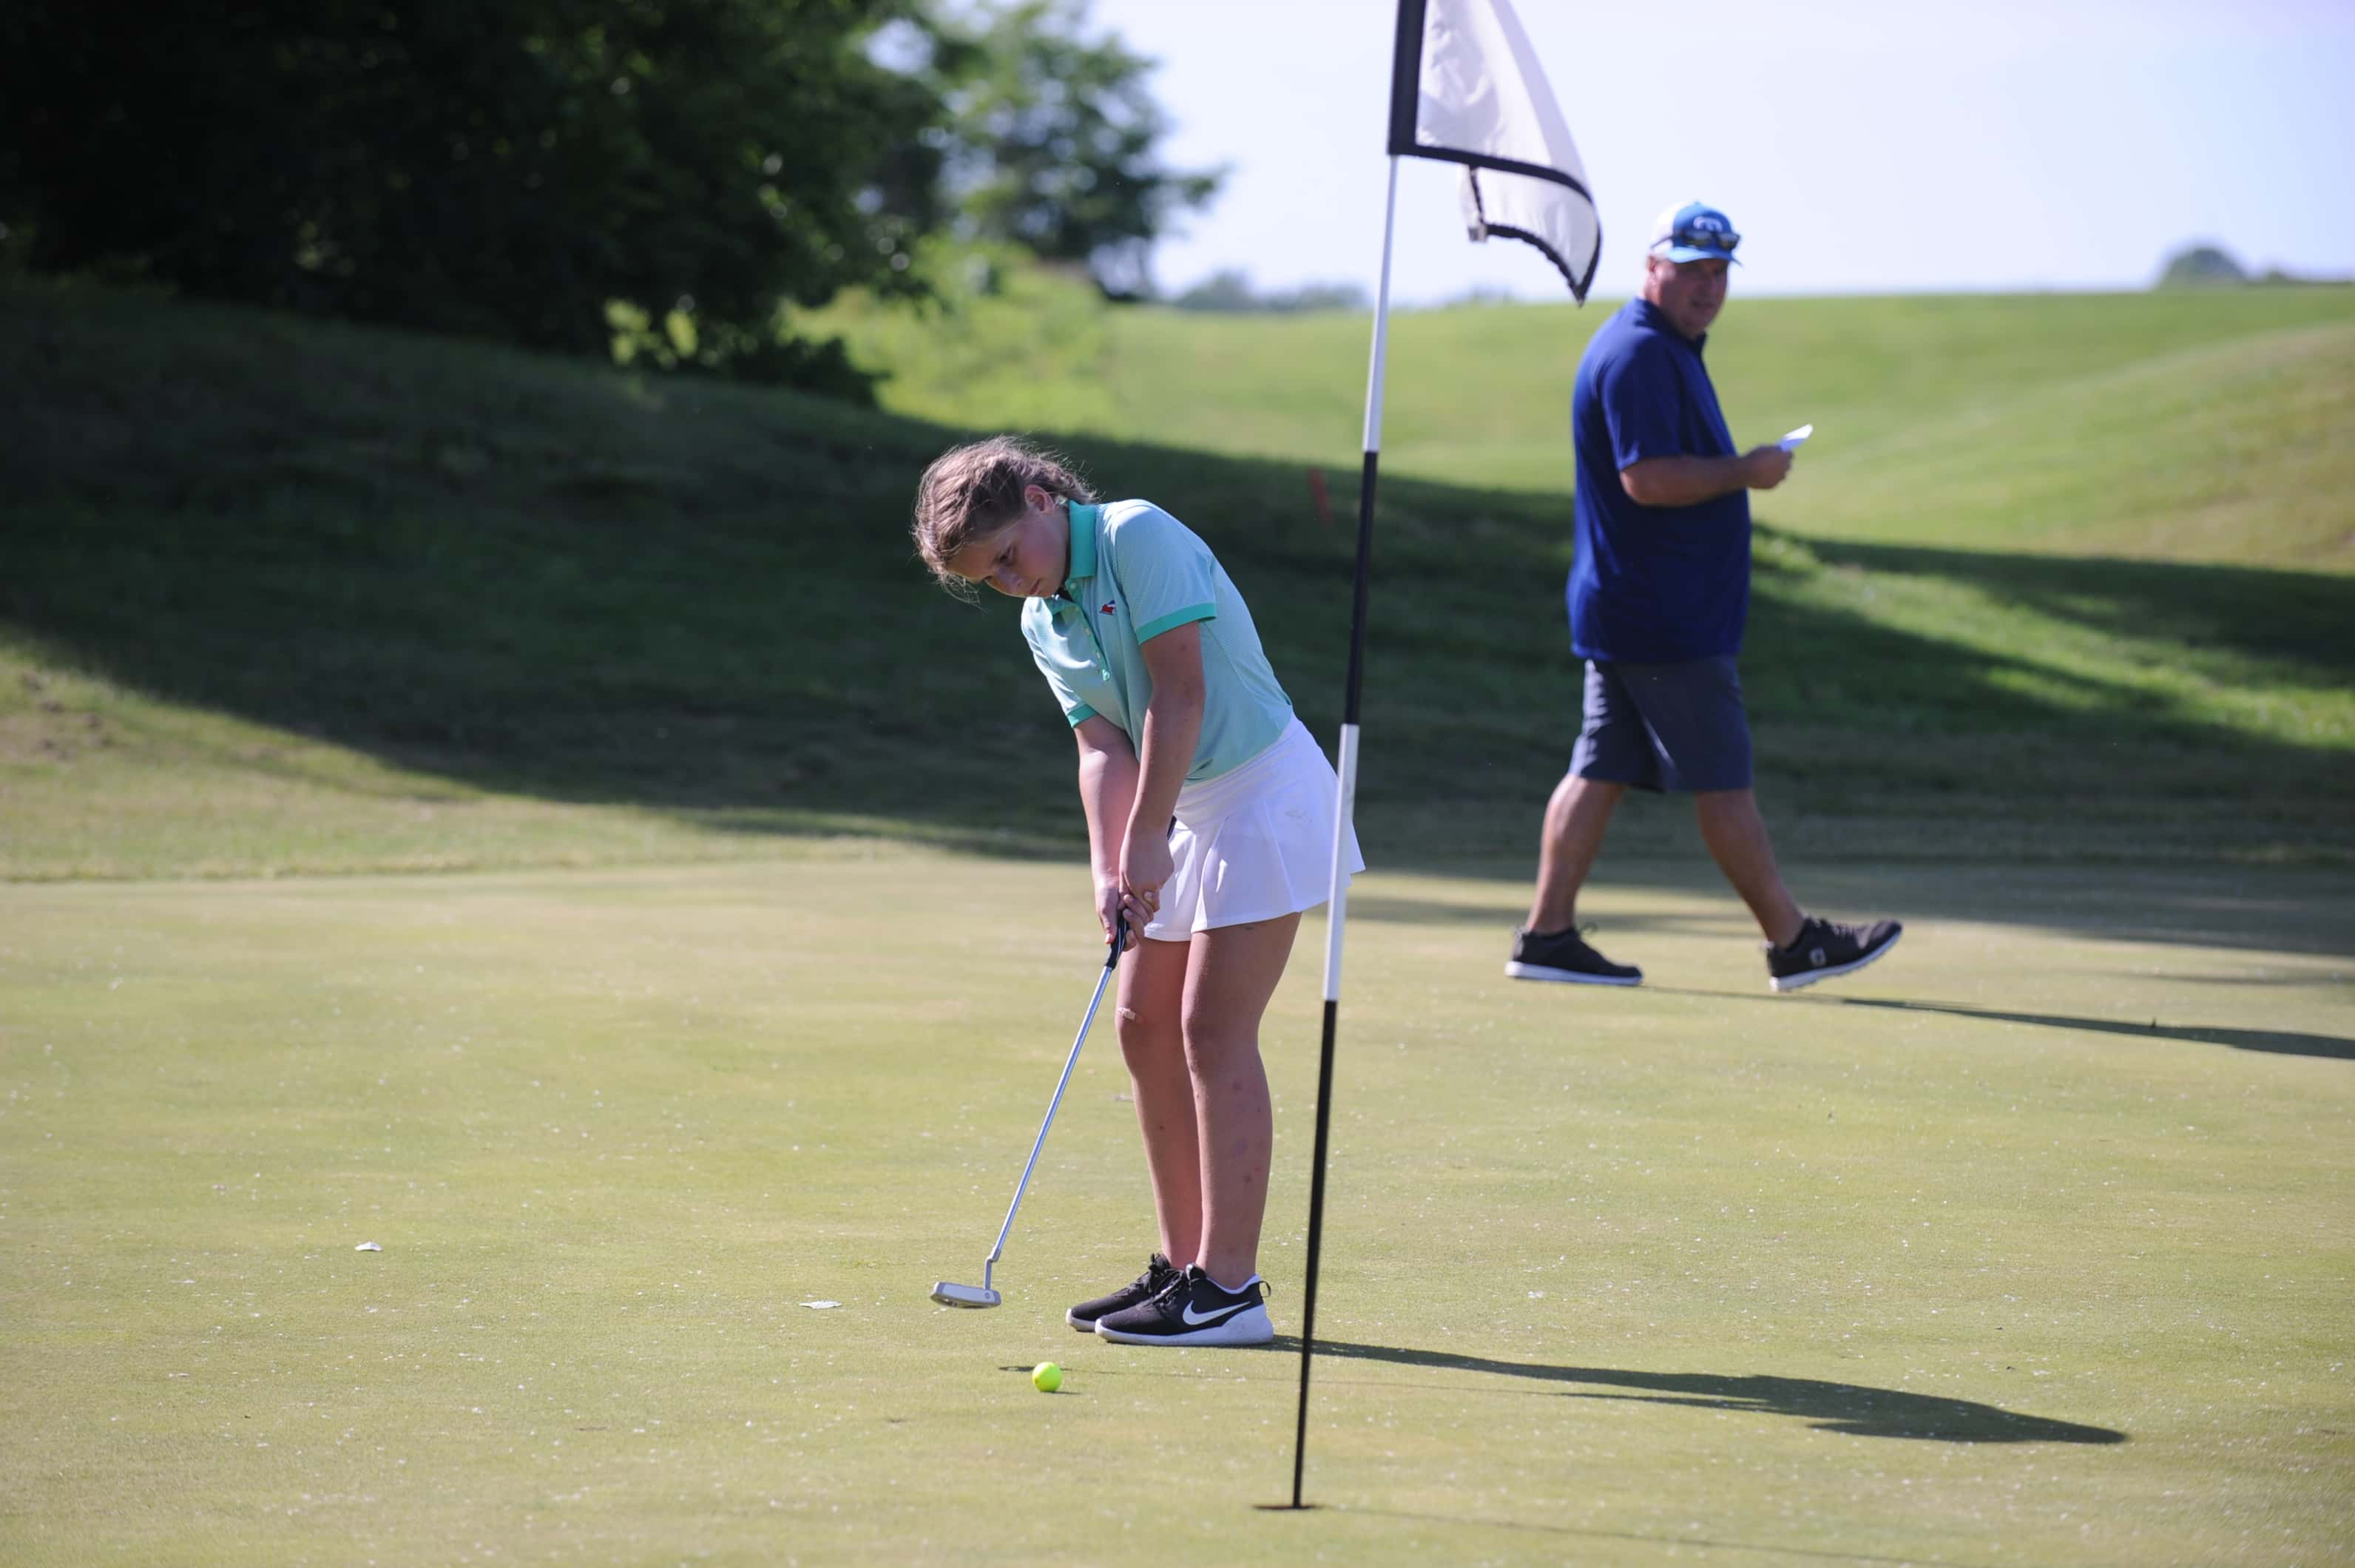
[2032, 1244]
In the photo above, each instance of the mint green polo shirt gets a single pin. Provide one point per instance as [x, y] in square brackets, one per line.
[1137, 572]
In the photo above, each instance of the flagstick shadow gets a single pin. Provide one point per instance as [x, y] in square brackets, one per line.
[1461, 1521]
[2288, 1042]
[1849, 1408]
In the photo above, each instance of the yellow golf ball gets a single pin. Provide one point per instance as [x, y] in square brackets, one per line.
[1046, 1377]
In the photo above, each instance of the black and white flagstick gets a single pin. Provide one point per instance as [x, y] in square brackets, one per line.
[1337, 909]
[1511, 129]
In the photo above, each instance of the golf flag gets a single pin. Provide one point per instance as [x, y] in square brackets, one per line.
[1467, 88]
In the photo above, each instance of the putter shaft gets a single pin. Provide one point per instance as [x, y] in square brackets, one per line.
[997, 1249]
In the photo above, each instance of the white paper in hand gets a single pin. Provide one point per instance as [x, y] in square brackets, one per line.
[1791, 442]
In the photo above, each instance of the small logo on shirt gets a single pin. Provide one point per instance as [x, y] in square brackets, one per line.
[1107, 608]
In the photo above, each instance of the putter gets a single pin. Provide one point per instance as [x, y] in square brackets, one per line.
[950, 1294]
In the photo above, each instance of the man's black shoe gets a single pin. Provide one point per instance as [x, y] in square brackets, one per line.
[1563, 956]
[1159, 1274]
[1194, 1310]
[1823, 951]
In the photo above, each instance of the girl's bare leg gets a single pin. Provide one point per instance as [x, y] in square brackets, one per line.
[1229, 977]
[1151, 1007]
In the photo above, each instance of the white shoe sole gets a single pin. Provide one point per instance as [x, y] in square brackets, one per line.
[1248, 1328]
[1800, 982]
[1519, 971]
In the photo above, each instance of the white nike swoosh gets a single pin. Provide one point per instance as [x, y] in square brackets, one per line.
[1221, 1315]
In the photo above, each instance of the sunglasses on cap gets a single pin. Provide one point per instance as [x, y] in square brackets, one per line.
[1711, 237]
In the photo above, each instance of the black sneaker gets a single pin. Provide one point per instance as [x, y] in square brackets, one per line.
[1823, 951]
[1563, 956]
[1194, 1310]
[1159, 1274]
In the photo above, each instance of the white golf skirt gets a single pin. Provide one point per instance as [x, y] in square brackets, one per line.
[1255, 843]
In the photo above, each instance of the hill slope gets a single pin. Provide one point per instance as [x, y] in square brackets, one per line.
[2211, 426]
[279, 596]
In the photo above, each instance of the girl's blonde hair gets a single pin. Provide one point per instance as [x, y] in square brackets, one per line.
[971, 492]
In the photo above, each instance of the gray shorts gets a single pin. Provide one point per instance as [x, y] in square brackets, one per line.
[1665, 726]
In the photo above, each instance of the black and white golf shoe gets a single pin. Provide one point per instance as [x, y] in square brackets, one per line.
[1194, 1310]
[1563, 956]
[1159, 1274]
[1824, 951]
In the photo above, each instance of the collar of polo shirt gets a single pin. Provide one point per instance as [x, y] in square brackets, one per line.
[1652, 316]
[1083, 544]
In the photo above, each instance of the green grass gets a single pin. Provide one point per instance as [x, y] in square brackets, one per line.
[2180, 426]
[743, 933]
[279, 597]
[2028, 1246]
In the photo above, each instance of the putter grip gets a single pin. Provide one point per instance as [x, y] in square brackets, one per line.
[1119, 938]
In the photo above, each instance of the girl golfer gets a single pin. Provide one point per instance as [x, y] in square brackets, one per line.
[1148, 647]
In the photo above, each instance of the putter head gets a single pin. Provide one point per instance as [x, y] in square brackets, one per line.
[949, 1295]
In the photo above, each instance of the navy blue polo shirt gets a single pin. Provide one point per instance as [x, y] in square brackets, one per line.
[1652, 584]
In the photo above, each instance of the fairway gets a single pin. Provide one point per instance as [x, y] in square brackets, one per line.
[2031, 1244]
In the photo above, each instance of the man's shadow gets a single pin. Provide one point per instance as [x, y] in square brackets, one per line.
[1848, 1408]
[2289, 1042]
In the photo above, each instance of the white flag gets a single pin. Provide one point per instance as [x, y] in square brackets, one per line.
[1467, 88]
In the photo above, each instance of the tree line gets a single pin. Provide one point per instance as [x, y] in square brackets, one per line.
[661, 176]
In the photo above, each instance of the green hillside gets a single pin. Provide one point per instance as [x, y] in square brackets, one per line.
[276, 596]
[2216, 426]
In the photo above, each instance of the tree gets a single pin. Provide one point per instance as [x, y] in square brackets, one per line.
[1227, 290]
[505, 168]
[1051, 142]
[1230, 291]
[2200, 265]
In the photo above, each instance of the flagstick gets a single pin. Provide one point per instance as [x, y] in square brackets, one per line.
[1337, 908]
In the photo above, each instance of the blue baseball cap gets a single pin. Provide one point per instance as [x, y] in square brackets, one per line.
[1694, 232]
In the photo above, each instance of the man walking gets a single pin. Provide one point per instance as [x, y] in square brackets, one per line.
[1658, 595]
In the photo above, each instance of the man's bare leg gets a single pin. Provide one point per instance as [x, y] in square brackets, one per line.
[1736, 835]
[1574, 822]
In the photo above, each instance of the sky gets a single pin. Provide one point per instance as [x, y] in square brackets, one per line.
[1860, 147]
